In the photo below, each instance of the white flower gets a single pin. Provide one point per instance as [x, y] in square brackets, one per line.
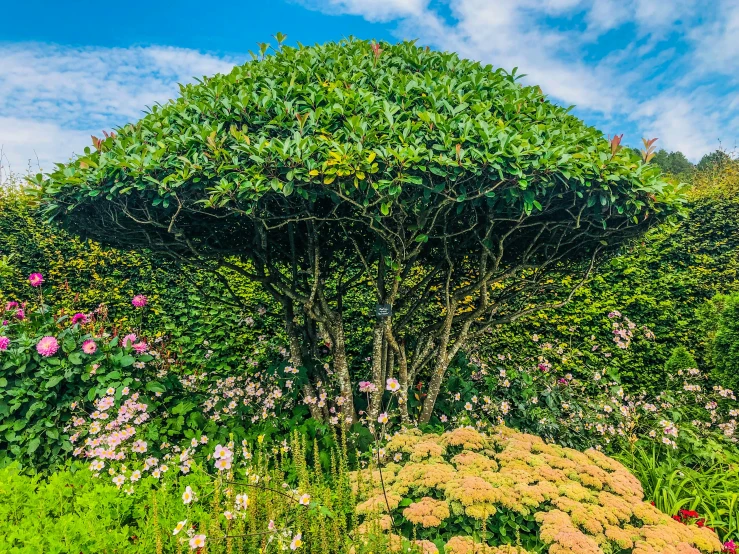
[221, 452]
[297, 542]
[393, 385]
[468, 406]
[382, 418]
[118, 480]
[223, 463]
[198, 541]
[179, 527]
[305, 499]
[135, 476]
[188, 496]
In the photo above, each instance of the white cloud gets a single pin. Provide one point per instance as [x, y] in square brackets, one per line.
[647, 65]
[380, 10]
[638, 78]
[29, 145]
[52, 97]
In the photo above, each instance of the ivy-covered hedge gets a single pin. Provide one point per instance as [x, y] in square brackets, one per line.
[80, 275]
[659, 282]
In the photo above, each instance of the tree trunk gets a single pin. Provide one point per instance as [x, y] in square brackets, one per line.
[341, 369]
[296, 358]
[373, 410]
[442, 363]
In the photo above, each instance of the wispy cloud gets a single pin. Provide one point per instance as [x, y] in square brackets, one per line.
[640, 64]
[53, 97]
[644, 67]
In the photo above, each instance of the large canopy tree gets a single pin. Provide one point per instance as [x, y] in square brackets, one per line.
[440, 187]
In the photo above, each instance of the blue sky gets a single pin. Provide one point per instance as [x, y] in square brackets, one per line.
[640, 67]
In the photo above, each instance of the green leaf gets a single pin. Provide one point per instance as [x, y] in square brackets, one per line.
[54, 381]
[33, 445]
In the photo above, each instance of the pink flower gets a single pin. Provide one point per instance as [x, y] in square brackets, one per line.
[89, 346]
[20, 314]
[140, 347]
[76, 318]
[392, 385]
[35, 279]
[4, 343]
[11, 306]
[366, 386]
[139, 301]
[129, 339]
[47, 346]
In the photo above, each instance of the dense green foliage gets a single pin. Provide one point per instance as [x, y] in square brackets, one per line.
[660, 282]
[672, 162]
[724, 348]
[440, 187]
[262, 214]
[187, 307]
[680, 359]
[247, 511]
[675, 483]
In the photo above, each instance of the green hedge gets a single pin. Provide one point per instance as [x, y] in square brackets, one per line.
[80, 275]
[659, 282]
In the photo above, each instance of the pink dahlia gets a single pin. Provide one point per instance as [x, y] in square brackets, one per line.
[139, 301]
[20, 314]
[47, 346]
[35, 279]
[140, 347]
[76, 318]
[11, 306]
[89, 346]
[4, 343]
[129, 339]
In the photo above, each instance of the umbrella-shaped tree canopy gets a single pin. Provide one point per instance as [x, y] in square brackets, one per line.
[436, 185]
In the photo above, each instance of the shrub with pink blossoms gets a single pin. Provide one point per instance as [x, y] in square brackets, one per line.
[50, 363]
[47, 346]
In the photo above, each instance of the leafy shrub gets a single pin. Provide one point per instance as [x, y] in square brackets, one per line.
[725, 344]
[679, 360]
[48, 365]
[677, 483]
[464, 488]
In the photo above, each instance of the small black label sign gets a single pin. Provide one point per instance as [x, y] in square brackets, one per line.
[383, 310]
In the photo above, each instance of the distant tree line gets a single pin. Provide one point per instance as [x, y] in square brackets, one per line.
[676, 163]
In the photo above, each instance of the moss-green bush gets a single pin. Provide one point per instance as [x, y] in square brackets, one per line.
[680, 359]
[724, 347]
